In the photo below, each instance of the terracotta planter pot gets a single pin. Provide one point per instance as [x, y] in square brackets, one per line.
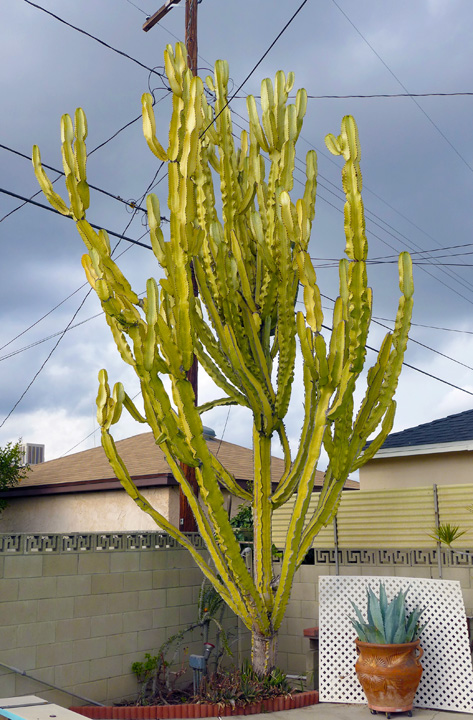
[389, 674]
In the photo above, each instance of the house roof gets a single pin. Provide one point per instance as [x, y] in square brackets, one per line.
[454, 432]
[90, 469]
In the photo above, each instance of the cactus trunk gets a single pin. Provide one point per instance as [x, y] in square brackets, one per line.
[264, 651]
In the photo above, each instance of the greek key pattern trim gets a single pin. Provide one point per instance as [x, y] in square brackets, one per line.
[46, 543]
[50, 543]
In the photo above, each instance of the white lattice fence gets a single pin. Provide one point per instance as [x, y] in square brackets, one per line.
[447, 680]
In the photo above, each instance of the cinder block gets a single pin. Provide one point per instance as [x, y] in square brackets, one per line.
[120, 687]
[122, 644]
[176, 597]
[56, 608]
[142, 580]
[461, 574]
[310, 610]
[296, 664]
[92, 563]
[90, 605]
[77, 672]
[9, 589]
[187, 614]
[179, 559]
[190, 576]
[281, 660]
[121, 602]
[293, 609]
[8, 634]
[38, 633]
[385, 570]
[125, 562]
[153, 560]
[468, 597]
[15, 613]
[73, 629]
[295, 626]
[104, 625]
[308, 574]
[166, 579]
[303, 591]
[107, 583]
[95, 690]
[35, 588]
[166, 617]
[137, 620]
[150, 640]
[151, 599]
[24, 657]
[54, 654]
[289, 643]
[7, 685]
[73, 586]
[415, 572]
[90, 649]
[105, 668]
[23, 566]
[60, 564]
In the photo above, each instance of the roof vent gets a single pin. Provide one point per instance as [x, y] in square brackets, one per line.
[209, 433]
[32, 454]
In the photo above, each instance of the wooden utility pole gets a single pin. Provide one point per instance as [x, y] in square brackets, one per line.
[186, 519]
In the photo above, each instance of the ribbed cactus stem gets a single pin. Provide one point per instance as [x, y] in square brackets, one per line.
[250, 253]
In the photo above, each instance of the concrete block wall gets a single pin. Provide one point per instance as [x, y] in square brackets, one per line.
[78, 620]
[77, 611]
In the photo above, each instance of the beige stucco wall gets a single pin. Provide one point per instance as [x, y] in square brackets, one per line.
[107, 511]
[452, 468]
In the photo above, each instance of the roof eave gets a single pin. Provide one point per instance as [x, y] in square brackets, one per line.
[427, 449]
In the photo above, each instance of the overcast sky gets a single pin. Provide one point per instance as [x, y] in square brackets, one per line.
[417, 163]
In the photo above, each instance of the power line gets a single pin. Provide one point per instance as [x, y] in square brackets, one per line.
[50, 337]
[45, 361]
[30, 327]
[404, 87]
[93, 37]
[371, 96]
[256, 66]
[80, 306]
[337, 194]
[51, 209]
[62, 173]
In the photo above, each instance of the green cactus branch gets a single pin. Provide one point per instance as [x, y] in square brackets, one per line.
[249, 251]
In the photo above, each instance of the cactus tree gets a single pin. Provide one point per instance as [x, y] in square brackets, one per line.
[249, 253]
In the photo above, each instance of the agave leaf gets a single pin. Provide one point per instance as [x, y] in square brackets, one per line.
[374, 612]
[412, 624]
[374, 635]
[383, 600]
[359, 630]
[358, 613]
[389, 624]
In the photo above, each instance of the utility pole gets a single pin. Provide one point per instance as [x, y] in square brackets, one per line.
[186, 519]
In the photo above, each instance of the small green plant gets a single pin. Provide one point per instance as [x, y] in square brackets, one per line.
[447, 534]
[243, 686]
[387, 622]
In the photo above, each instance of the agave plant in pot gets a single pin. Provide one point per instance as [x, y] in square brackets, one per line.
[388, 665]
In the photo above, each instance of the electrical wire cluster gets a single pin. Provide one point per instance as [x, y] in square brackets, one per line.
[430, 257]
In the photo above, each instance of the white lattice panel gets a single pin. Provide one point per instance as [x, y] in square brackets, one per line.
[447, 680]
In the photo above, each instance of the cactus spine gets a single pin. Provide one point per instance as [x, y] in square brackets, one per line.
[249, 261]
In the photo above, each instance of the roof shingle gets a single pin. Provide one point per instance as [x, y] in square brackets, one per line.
[453, 428]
